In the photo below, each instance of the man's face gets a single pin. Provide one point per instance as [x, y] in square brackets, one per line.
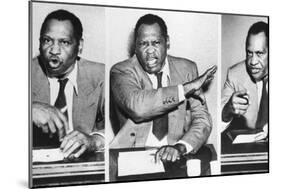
[257, 56]
[151, 47]
[59, 48]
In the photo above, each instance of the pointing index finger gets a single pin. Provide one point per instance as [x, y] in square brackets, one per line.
[65, 128]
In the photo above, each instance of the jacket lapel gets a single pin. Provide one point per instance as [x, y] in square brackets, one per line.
[141, 130]
[40, 84]
[143, 77]
[82, 102]
[252, 112]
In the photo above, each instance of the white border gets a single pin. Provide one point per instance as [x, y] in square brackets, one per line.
[14, 94]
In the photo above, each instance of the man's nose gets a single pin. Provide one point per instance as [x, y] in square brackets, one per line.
[55, 49]
[150, 49]
[254, 60]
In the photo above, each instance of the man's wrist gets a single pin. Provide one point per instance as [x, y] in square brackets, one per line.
[181, 148]
[188, 88]
[181, 94]
[97, 142]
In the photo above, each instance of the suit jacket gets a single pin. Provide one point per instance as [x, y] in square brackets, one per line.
[87, 103]
[135, 104]
[239, 79]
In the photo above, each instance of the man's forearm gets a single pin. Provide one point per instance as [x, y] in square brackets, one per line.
[189, 88]
[143, 105]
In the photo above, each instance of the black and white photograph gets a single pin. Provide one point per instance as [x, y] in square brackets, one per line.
[163, 94]
[124, 94]
[244, 97]
[67, 94]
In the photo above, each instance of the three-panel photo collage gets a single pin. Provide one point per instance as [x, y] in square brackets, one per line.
[121, 94]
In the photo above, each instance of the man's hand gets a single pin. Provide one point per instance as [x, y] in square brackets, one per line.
[237, 105]
[76, 143]
[170, 153]
[193, 87]
[204, 78]
[49, 119]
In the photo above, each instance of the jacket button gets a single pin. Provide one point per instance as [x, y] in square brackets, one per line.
[132, 134]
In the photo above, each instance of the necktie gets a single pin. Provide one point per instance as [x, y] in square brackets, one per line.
[263, 110]
[61, 99]
[160, 124]
[41, 139]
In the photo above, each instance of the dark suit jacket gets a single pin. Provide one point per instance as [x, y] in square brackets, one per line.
[87, 104]
[136, 104]
[239, 79]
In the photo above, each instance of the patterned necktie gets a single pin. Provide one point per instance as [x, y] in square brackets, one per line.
[61, 99]
[160, 124]
[263, 110]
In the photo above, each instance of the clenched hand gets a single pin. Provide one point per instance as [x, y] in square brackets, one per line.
[49, 119]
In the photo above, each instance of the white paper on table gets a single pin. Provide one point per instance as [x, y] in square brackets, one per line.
[138, 162]
[248, 138]
[47, 155]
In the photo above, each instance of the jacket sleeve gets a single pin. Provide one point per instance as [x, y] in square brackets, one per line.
[100, 117]
[228, 89]
[138, 103]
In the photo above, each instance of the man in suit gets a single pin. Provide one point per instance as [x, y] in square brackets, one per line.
[245, 92]
[67, 91]
[156, 98]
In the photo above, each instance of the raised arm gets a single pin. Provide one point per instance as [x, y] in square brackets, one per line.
[139, 103]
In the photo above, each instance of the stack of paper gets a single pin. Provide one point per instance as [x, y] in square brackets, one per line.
[138, 162]
[47, 155]
[248, 138]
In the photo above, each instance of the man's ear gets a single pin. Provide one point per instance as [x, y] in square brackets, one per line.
[168, 42]
[80, 48]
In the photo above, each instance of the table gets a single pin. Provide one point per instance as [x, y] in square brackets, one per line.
[87, 169]
[172, 170]
[243, 158]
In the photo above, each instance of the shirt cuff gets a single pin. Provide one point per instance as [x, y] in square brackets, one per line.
[224, 125]
[188, 147]
[181, 93]
[265, 128]
[97, 133]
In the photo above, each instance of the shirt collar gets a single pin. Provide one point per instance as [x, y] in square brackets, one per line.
[72, 77]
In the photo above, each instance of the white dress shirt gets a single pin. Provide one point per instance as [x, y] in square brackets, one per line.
[71, 85]
[151, 139]
[70, 88]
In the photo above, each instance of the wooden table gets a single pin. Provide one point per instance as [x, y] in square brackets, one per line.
[243, 158]
[172, 170]
[87, 169]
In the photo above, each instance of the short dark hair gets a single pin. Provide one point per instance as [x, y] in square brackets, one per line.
[257, 28]
[150, 19]
[63, 15]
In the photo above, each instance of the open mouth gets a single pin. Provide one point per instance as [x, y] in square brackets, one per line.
[151, 61]
[54, 63]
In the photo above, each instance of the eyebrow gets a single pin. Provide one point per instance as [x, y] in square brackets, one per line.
[63, 38]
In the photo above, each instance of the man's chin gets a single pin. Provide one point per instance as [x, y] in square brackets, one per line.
[54, 72]
[152, 70]
[257, 76]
